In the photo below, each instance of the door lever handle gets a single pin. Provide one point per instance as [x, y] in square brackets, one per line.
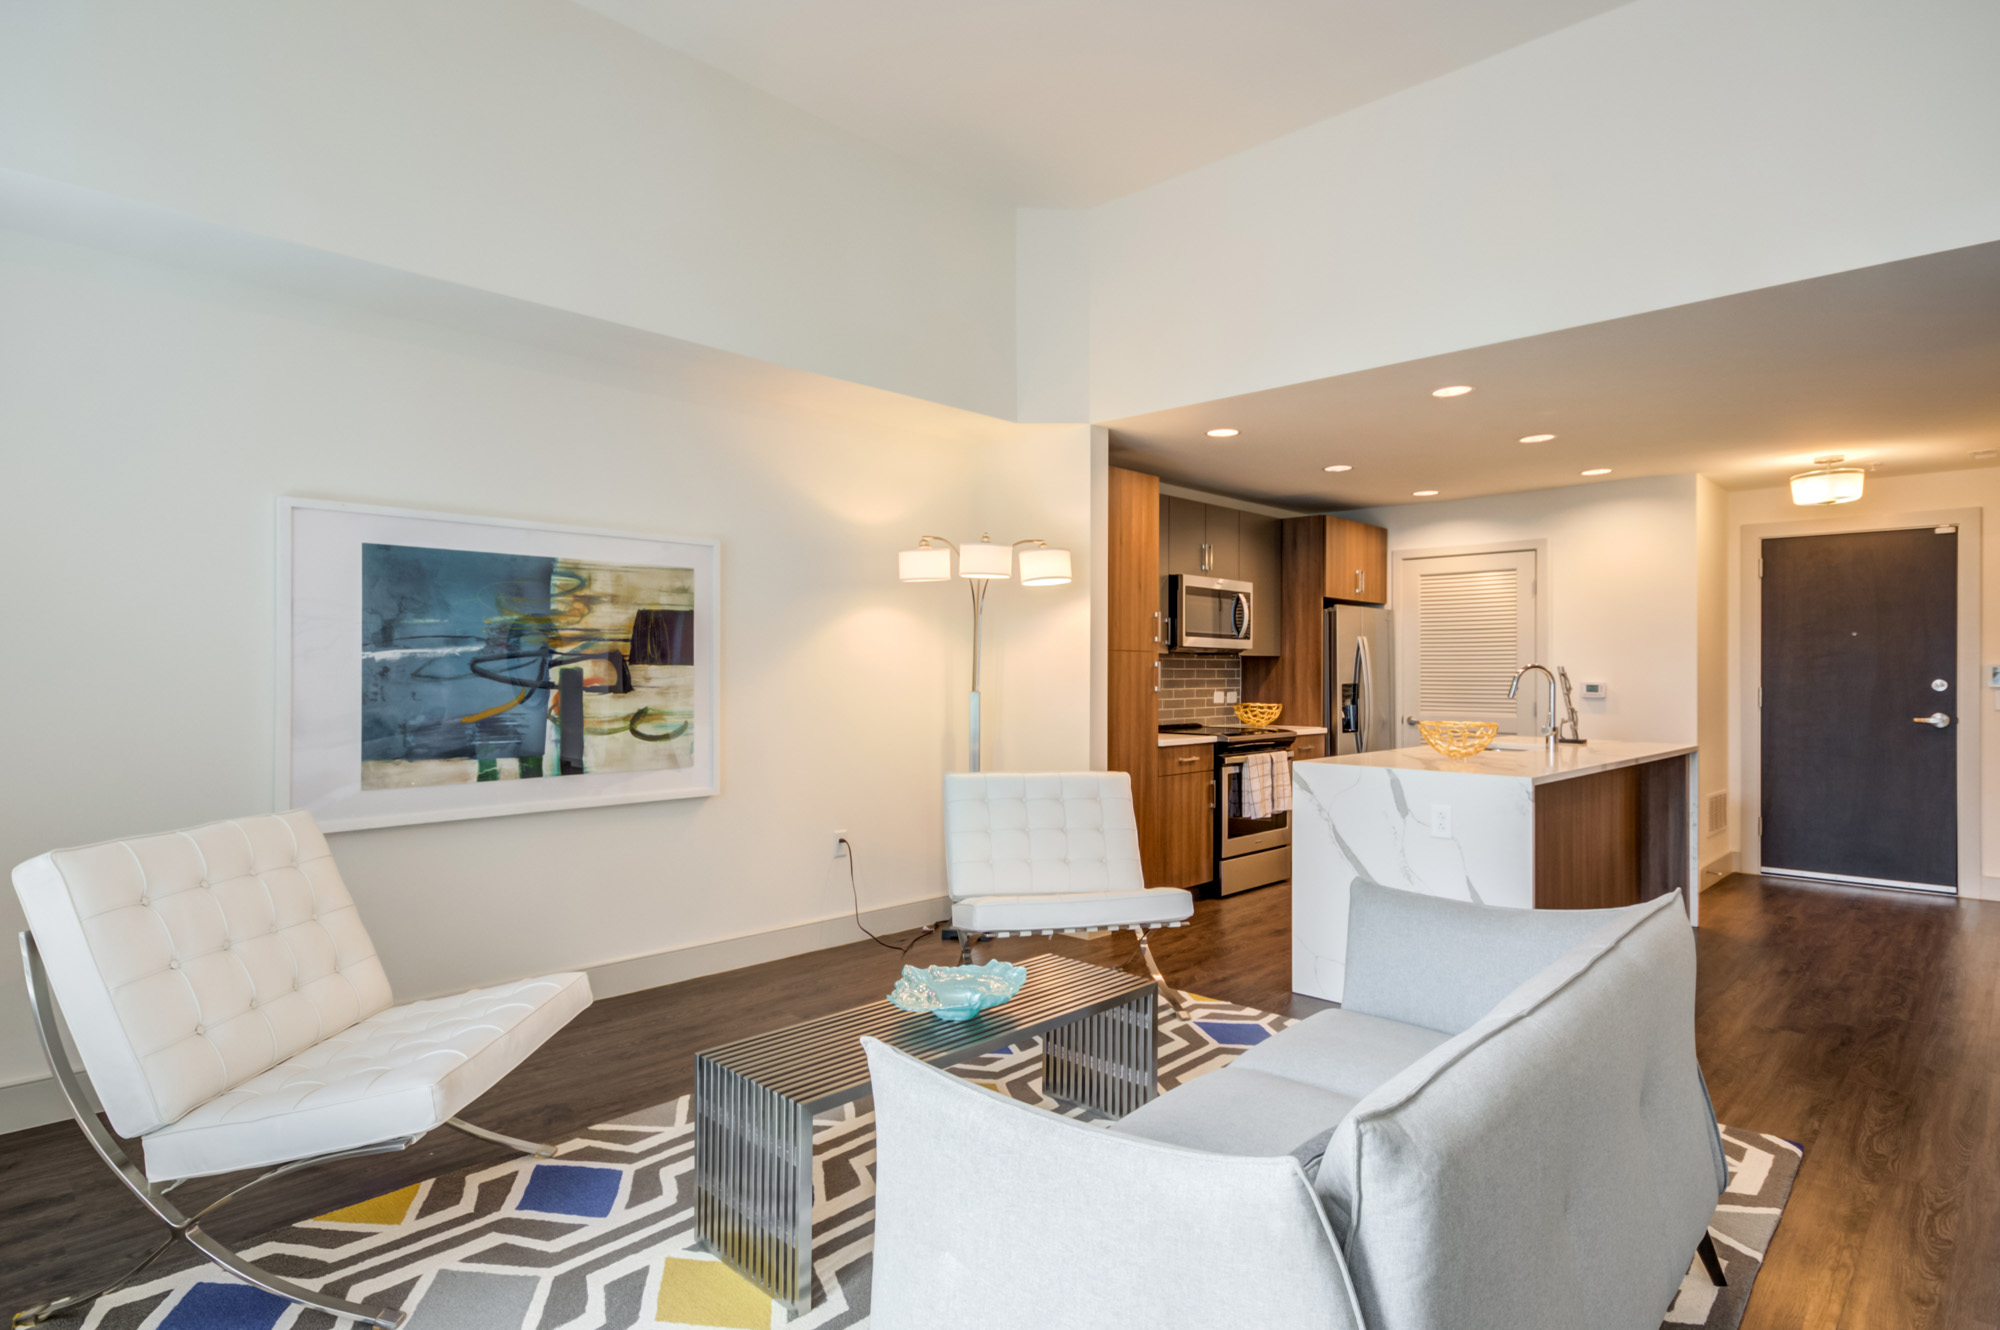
[1937, 718]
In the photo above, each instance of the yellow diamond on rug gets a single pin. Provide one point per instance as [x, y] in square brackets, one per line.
[388, 1211]
[709, 1293]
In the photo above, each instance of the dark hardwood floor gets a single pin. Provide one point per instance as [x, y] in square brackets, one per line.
[1865, 1025]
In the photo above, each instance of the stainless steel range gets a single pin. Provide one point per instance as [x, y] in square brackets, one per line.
[1249, 851]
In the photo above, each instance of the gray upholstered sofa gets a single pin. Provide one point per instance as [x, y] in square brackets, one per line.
[1503, 1129]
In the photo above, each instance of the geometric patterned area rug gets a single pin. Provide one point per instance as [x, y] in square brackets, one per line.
[602, 1236]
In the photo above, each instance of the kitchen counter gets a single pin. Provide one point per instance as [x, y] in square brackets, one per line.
[1176, 740]
[1602, 824]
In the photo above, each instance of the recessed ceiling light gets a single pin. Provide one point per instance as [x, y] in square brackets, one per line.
[1537, 438]
[1598, 471]
[1456, 390]
[1423, 494]
[1349, 468]
[1222, 434]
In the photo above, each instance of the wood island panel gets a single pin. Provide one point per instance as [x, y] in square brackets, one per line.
[1587, 841]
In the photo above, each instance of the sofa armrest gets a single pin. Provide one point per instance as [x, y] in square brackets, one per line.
[1443, 964]
[1046, 1221]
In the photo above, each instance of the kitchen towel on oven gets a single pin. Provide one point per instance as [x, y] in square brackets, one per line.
[1264, 788]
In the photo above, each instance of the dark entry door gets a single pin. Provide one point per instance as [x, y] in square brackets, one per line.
[1860, 640]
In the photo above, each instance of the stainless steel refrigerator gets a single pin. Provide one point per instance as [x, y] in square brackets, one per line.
[1359, 701]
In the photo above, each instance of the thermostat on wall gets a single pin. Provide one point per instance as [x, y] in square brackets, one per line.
[1993, 676]
[1593, 692]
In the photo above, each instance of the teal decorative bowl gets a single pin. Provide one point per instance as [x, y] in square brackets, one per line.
[957, 992]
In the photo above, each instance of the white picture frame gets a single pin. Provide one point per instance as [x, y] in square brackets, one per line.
[412, 771]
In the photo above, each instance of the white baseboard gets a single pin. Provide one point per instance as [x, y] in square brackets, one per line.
[1717, 868]
[31, 1103]
[653, 969]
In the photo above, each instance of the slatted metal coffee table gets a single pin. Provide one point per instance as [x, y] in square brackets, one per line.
[754, 1100]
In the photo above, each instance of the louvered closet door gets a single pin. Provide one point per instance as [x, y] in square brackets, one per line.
[1464, 624]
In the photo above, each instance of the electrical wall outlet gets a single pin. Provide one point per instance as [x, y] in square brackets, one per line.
[1234, 696]
[1441, 821]
[1218, 697]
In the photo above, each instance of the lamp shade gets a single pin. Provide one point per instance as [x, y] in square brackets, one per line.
[1043, 566]
[926, 563]
[1826, 486]
[985, 559]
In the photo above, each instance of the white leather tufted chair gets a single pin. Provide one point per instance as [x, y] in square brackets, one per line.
[230, 1010]
[1051, 852]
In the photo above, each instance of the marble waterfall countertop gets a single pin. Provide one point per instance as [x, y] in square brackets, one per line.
[1412, 818]
[1530, 761]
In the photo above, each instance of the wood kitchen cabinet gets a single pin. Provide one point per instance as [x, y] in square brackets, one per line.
[1357, 562]
[1180, 849]
[1133, 590]
[1308, 746]
[1324, 559]
[1200, 539]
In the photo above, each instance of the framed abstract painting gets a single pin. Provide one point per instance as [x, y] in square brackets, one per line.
[434, 666]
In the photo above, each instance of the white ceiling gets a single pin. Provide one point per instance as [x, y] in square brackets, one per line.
[1069, 103]
[1896, 367]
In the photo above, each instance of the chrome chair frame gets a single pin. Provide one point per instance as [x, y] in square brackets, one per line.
[84, 1108]
[1176, 999]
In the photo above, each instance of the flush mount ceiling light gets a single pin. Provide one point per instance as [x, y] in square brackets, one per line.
[1423, 494]
[1456, 390]
[1222, 433]
[1598, 471]
[1537, 438]
[1349, 468]
[1829, 483]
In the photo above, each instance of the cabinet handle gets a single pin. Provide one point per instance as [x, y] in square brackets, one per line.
[1156, 676]
[1211, 795]
[1360, 581]
[1204, 558]
[1156, 625]
[1194, 758]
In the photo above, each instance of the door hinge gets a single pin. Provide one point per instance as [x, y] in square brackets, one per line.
[1760, 565]
[1760, 695]
[1760, 824]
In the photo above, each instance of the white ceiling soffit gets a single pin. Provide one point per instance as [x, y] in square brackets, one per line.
[1069, 103]
[1895, 366]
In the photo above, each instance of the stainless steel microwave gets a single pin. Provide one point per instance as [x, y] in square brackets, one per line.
[1209, 613]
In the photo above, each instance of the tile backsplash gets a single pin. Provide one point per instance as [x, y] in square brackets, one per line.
[1188, 685]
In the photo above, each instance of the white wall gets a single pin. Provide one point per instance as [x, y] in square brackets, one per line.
[1885, 495]
[1666, 151]
[150, 416]
[1052, 314]
[1619, 589]
[531, 148]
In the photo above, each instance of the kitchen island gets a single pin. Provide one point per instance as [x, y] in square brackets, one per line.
[1601, 824]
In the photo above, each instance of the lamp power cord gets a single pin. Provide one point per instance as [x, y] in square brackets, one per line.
[854, 887]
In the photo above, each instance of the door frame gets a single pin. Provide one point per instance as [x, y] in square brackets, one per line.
[1971, 710]
[1538, 545]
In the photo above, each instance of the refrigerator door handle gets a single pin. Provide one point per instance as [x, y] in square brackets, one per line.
[1364, 692]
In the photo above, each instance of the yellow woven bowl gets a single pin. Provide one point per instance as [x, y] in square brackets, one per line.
[1258, 714]
[1458, 738]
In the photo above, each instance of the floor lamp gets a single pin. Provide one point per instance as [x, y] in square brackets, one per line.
[979, 564]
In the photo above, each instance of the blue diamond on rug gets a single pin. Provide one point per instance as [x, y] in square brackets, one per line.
[1235, 1034]
[226, 1307]
[566, 1189]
